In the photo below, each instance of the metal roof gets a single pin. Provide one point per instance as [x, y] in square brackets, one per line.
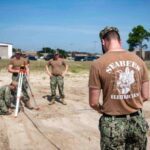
[5, 44]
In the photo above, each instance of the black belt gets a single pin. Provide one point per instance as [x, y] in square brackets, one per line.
[56, 75]
[15, 74]
[123, 116]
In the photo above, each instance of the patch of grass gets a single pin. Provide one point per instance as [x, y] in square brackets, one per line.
[4, 64]
[77, 67]
[148, 64]
[74, 66]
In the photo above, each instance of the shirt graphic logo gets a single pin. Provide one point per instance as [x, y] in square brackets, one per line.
[125, 80]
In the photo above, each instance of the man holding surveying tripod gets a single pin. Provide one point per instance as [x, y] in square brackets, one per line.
[16, 64]
[123, 78]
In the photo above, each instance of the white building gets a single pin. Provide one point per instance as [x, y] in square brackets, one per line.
[5, 50]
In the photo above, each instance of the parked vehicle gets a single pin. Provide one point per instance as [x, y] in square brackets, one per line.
[32, 57]
[48, 57]
[90, 58]
[79, 58]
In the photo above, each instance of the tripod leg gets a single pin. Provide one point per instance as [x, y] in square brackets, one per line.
[18, 93]
[31, 93]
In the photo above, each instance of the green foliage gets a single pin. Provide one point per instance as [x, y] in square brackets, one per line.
[137, 38]
[16, 49]
[49, 50]
[39, 54]
[62, 53]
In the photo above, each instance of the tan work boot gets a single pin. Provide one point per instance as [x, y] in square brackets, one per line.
[27, 104]
[52, 101]
[63, 102]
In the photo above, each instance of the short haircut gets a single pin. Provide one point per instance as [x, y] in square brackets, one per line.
[111, 35]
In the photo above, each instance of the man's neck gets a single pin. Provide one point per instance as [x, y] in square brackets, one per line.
[115, 46]
[18, 58]
[115, 49]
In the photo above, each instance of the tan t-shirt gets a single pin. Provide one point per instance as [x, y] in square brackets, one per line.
[26, 60]
[120, 75]
[17, 63]
[57, 66]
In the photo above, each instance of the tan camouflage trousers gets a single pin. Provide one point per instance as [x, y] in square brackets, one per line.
[24, 87]
[123, 133]
[57, 81]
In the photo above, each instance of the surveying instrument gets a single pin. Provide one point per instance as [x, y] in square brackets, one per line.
[22, 76]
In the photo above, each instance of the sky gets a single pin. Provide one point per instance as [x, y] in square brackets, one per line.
[68, 24]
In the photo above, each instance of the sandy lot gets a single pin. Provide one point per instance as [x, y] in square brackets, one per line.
[54, 127]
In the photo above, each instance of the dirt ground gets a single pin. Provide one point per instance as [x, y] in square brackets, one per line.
[54, 127]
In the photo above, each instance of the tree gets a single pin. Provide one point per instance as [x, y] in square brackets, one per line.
[62, 53]
[16, 49]
[137, 38]
[48, 50]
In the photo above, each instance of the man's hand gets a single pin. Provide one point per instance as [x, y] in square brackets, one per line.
[50, 75]
[63, 74]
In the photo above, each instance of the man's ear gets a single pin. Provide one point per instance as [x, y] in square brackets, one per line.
[120, 42]
[103, 42]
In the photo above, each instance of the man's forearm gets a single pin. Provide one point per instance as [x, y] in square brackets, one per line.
[66, 69]
[94, 95]
[13, 70]
[47, 71]
[145, 91]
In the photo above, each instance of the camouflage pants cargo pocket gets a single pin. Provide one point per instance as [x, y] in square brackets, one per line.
[112, 134]
[123, 133]
[136, 134]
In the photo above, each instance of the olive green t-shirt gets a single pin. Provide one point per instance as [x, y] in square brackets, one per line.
[120, 75]
[57, 66]
[17, 63]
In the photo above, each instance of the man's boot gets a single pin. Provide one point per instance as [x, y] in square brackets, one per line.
[52, 101]
[62, 97]
[27, 104]
[64, 102]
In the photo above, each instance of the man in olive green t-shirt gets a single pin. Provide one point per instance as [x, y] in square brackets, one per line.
[123, 78]
[57, 73]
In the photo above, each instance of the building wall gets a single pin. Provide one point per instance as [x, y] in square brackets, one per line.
[5, 50]
[145, 54]
[10, 53]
